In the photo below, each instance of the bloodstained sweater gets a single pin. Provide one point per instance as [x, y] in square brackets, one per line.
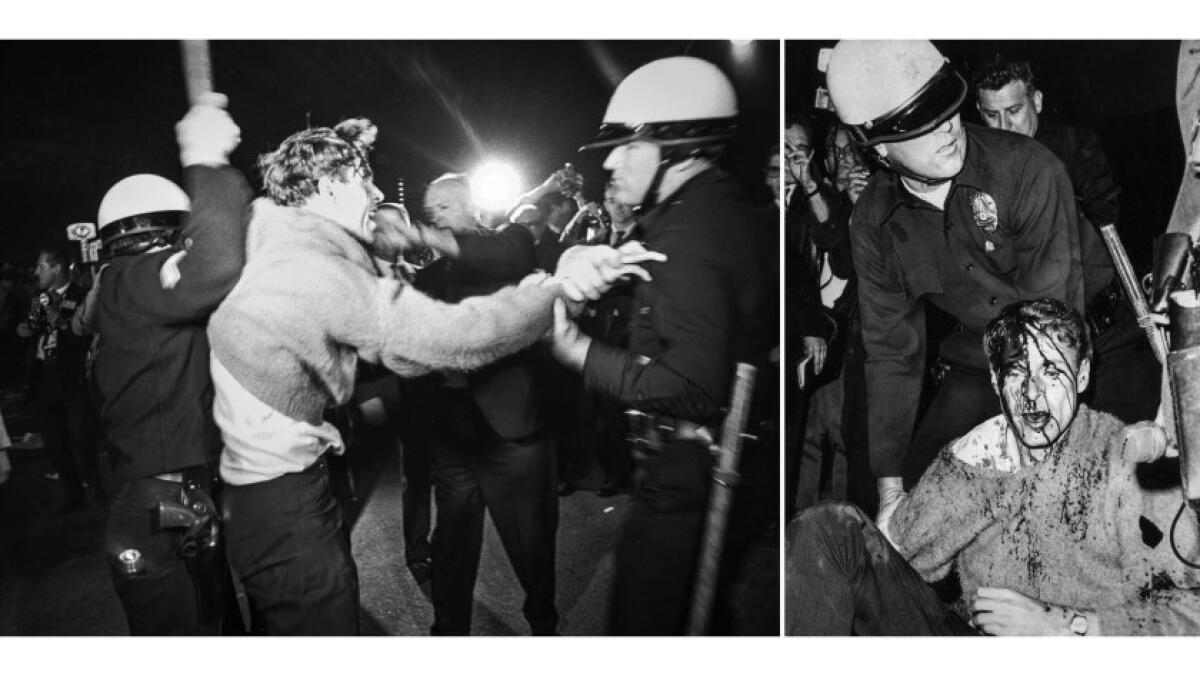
[1077, 529]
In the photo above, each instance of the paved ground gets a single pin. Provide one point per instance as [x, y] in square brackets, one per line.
[53, 580]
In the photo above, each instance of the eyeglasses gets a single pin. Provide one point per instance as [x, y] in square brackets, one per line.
[798, 153]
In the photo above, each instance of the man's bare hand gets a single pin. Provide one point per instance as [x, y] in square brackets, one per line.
[857, 181]
[568, 344]
[817, 349]
[586, 272]
[24, 330]
[207, 134]
[1004, 612]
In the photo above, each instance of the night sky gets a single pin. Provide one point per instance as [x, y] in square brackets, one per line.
[79, 116]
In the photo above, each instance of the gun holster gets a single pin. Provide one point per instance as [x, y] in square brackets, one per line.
[197, 523]
[1171, 271]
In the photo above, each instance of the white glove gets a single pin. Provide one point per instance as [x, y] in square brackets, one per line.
[891, 494]
[207, 134]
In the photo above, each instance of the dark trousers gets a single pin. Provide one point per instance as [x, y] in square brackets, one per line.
[418, 493]
[515, 482]
[290, 548]
[161, 599]
[1125, 375]
[844, 578]
[64, 417]
[660, 542]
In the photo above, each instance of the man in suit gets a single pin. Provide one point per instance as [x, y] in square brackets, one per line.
[489, 449]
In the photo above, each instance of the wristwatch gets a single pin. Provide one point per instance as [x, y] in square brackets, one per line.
[1079, 624]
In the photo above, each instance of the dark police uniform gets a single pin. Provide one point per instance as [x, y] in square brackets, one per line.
[1009, 232]
[152, 373]
[690, 326]
[1130, 389]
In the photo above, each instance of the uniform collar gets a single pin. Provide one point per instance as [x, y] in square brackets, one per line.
[970, 176]
[701, 183]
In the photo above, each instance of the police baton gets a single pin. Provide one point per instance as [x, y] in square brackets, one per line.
[724, 476]
[197, 69]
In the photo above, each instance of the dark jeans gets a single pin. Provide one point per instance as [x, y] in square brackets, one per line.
[290, 548]
[844, 578]
[515, 482]
[162, 599]
[660, 542]
[418, 493]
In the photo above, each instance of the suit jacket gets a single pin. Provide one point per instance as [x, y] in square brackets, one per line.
[504, 391]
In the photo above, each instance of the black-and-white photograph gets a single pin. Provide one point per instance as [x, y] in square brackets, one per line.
[421, 337]
[991, 338]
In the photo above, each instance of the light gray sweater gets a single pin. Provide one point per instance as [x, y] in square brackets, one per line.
[1077, 530]
[310, 303]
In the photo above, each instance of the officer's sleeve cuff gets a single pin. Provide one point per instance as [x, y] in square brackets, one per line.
[604, 367]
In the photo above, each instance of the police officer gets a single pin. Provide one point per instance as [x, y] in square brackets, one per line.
[966, 219]
[666, 124]
[170, 261]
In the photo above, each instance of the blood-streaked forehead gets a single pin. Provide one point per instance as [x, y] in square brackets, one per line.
[1038, 350]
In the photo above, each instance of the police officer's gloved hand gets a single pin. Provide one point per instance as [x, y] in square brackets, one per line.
[891, 494]
[207, 134]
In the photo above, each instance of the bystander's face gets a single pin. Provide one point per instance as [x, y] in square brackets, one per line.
[1039, 390]
[48, 275]
[448, 206]
[935, 156]
[846, 156]
[633, 166]
[619, 213]
[1011, 108]
[798, 153]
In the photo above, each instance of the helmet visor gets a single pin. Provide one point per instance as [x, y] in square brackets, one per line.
[932, 105]
[663, 133]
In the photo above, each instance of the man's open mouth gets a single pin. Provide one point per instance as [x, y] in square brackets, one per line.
[1036, 419]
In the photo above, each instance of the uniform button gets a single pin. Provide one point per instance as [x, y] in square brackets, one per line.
[970, 266]
[993, 300]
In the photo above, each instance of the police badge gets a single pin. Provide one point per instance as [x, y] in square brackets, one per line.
[984, 209]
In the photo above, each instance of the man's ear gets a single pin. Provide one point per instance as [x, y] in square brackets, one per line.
[1037, 102]
[1085, 375]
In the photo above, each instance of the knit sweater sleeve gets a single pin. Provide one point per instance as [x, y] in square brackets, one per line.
[951, 505]
[390, 322]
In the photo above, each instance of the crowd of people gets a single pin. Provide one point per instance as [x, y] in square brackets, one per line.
[962, 366]
[226, 345]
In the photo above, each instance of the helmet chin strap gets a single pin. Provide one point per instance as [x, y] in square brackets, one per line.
[669, 159]
[886, 162]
